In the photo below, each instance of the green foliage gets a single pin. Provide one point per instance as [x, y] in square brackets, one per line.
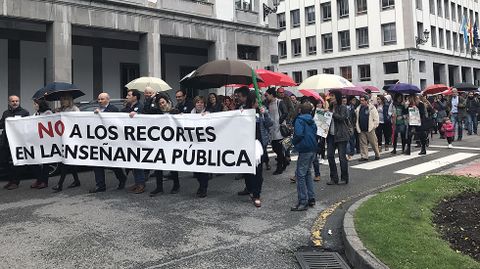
[397, 227]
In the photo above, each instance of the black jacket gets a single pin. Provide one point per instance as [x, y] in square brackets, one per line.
[19, 111]
[340, 117]
[111, 108]
[185, 107]
[473, 105]
[137, 107]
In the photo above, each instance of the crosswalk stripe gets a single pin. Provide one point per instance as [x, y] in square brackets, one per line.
[455, 147]
[388, 161]
[434, 164]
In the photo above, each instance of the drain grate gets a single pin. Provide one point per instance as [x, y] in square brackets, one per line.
[321, 260]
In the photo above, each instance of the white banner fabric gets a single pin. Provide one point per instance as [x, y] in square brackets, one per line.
[213, 143]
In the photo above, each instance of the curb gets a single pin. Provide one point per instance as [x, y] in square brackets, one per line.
[358, 256]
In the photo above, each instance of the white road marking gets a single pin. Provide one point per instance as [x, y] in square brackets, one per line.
[435, 164]
[391, 160]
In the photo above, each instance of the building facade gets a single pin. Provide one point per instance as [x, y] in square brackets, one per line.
[100, 45]
[379, 42]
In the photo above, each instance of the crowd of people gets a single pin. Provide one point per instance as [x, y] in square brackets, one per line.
[287, 123]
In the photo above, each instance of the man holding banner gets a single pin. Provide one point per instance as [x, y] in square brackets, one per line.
[105, 106]
[14, 110]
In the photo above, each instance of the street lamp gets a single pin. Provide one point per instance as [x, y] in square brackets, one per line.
[270, 10]
[420, 40]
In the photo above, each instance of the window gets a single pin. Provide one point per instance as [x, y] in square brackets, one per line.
[419, 4]
[388, 4]
[459, 12]
[390, 68]
[389, 34]
[328, 70]
[311, 45]
[462, 43]
[439, 8]
[420, 30]
[449, 40]
[282, 49]
[361, 6]
[455, 41]
[432, 7]
[296, 49]
[446, 7]
[346, 72]
[342, 8]
[281, 20]
[390, 81]
[295, 17]
[364, 72]
[441, 40]
[245, 5]
[310, 14]
[297, 76]
[421, 67]
[362, 37]
[326, 11]
[247, 52]
[454, 13]
[312, 72]
[327, 45]
[423, 84]
[433, 36]
[344, 38]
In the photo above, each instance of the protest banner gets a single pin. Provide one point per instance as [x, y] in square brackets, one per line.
[323, 120]
[212, 143]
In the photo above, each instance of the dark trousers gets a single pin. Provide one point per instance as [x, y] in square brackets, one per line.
[6, 161]
[65, 170]
[254, 183]
[265, 158]
[159, 178]
[449, 140]
[202, 181]
[41, 172]
[321, 147]
[100, 176]
[384, 130]
[332, 146]
[420, 133]
[278, 149]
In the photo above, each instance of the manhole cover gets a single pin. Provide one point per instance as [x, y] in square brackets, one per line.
[321, 260]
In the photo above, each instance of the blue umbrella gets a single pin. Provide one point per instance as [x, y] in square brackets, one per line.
[404, 88]
[53, 87]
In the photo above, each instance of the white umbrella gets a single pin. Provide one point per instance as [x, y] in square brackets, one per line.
[324, 81]
[141, 83]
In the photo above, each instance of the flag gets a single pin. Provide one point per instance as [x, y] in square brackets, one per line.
[475, 35]
[470, 33]
[463, 28]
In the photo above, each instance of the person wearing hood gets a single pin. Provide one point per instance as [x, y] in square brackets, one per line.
[14, 110]
[338, 135]
[305, 142]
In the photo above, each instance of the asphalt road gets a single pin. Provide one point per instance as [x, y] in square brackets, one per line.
[74, 229]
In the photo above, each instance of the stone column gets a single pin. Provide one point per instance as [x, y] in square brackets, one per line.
[150, 54]
[59, 52]
[444, 74]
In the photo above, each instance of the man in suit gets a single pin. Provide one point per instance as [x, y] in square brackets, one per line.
[105, 106]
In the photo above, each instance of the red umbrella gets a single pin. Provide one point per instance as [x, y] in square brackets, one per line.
[271, 78]
[435, 89]
[372, 89]
[447, 92]
[312, 93]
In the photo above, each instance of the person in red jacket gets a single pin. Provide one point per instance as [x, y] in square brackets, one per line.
[449, 130]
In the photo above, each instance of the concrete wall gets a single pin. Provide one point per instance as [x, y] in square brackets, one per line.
[111, 69]
[174, 61]
[3, 74]
[225, 10]
[32, 55]
[83, 71]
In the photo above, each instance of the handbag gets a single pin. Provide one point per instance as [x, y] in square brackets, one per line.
[285, 130]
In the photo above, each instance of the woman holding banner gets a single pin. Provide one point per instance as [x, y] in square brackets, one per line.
[67, 105]
[253, 183]
[202, 178]
[163, 105]
[41, 107]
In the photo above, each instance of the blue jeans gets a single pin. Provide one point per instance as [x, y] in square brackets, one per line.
[304, 177]
[457, 122]
[472, 122]
[139, 176]
[351, 144]
[316, 166]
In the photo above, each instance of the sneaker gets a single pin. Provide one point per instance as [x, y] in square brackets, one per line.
[139, 189]
[317, 178]
[12, 186]
[450, 146]
[311, 202]
[35, 185]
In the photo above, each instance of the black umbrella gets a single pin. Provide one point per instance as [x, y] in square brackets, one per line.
[55, 96]
[53, 87]
[219, 73]
[465, 86]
